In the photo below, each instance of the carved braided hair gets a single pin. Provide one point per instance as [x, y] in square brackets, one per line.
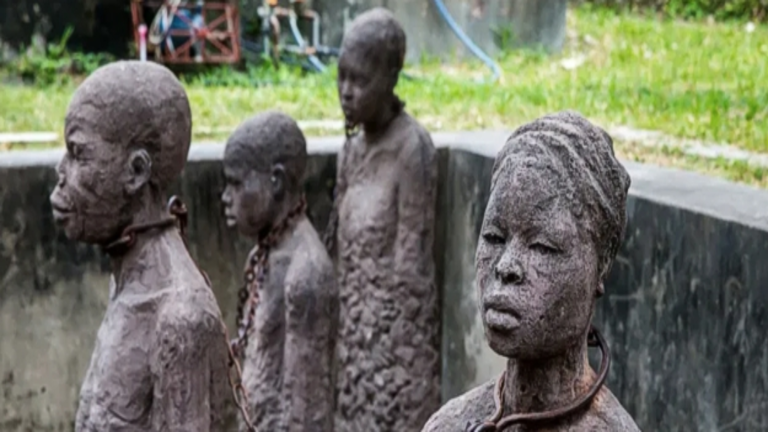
[593, 179]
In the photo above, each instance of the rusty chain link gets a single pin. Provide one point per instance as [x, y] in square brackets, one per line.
[497, 424]
[255, 273]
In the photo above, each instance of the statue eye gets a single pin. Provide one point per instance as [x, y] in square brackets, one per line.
[231, 180]
[493, 238]
[74, 150]
[544, 248]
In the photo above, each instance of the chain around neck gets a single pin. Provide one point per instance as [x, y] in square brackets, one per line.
[497, 424]
[255, 274]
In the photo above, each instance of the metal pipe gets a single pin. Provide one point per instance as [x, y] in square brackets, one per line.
[143, 42]
[315, 17]
[313, 60]
[265, 26]
[467, 41]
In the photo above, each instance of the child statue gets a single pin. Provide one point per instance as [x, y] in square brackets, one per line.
[382, 232]
[288, 310]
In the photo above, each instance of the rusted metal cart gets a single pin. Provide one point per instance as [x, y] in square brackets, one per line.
[183, 32]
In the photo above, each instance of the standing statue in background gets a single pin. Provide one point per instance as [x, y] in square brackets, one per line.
[160, 359]
[382, 232]
[553, 225]
[288, 308]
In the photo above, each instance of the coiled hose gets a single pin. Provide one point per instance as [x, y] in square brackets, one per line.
[467, 41]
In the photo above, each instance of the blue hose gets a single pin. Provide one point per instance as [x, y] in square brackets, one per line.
[467, 41]
[313, 60]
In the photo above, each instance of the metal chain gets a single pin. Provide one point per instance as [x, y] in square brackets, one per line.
[236, 383]
[255, 273]
[497, 424]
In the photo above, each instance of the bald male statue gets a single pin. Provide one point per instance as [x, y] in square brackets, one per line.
[160, 359]
[554, 222]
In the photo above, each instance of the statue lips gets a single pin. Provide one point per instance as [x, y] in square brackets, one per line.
[230, 218]
[501, 319]
[60, 212]
[348, 111]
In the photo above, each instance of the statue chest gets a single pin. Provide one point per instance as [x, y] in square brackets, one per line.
[117, 391]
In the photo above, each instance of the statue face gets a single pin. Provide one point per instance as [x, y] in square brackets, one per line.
[247, 198]
[537, 269]
[90, 202]
[364, 88]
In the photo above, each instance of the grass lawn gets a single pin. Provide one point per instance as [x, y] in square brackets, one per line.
[697, 80]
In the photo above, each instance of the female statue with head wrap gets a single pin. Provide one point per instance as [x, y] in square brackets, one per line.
[553, 225]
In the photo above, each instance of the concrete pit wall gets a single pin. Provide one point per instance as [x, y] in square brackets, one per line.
[684, 310]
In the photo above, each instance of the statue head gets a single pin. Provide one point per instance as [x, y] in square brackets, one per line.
[372, 56]
[127, 130]
[264, 164]
[553, 225]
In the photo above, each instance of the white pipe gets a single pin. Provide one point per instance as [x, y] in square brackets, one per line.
[143, 42]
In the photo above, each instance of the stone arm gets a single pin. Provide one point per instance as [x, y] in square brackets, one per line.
[416, 200]
[182, 354]
[311, 321]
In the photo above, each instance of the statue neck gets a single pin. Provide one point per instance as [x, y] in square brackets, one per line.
[382, 121]
[288, 214]
[533, 386]
[150, 247]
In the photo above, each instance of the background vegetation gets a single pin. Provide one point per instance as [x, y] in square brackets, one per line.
[697, 79]
[696, 9]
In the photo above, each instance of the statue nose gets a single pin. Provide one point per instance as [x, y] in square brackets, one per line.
[509, 271]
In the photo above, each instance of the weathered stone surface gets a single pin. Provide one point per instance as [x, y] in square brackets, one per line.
[687, 306]
[684, 310]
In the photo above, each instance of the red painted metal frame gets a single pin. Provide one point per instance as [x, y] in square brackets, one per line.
[225, 41]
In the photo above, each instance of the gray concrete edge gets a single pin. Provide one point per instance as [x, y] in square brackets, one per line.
[711, 196]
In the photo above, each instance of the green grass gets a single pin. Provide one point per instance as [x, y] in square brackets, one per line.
[696, 80]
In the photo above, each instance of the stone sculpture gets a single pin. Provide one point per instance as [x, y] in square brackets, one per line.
[288, 310]
[382, 232]
[554, 222]
[160, 361]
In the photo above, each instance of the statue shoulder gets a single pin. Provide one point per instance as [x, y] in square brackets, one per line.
[419, 140]
[607, 414]
[310, 274]
[473, 406]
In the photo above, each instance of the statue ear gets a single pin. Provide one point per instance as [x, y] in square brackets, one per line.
[600, 289]
[277, 181]
[139, 171]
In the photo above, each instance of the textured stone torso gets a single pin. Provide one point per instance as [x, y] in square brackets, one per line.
[387, 378]
[287, 370]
